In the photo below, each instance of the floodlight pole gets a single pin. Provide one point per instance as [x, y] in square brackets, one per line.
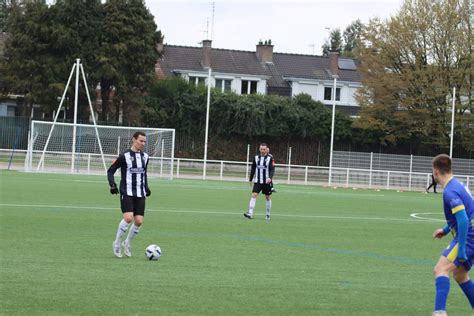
[452, 123]
[332, 128]
[207, 123]
[74, 127]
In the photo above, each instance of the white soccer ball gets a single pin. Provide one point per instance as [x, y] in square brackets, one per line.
[153, 252]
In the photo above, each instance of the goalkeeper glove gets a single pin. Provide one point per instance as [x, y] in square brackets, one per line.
[113, 189]
[148, 192]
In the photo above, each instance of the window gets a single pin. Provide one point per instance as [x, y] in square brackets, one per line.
[223, 85]
[249, 87]
[328, 94]
[197, 80]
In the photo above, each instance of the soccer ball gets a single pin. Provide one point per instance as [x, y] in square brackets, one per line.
[153, 252]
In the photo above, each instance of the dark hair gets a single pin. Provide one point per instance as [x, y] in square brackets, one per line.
[442, 163]
[263, 144]
[137, 134]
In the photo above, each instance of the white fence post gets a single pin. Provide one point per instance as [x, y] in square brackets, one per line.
[411, 168]
[388, 180]
[118, 146]
[161, 163]
[428, 179]
[222, 170]
[247, 165]
[347, 178]
[370, 172]
[289, 164]
[89, 163]
[305, 175]
[177, 168]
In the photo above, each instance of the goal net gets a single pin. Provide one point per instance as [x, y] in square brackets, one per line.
[52, 147]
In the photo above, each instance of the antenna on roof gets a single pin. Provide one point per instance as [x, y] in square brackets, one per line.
[212, 20]
[207, 29]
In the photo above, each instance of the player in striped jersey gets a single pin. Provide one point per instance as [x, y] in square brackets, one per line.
[133, 190]
[458, 257]
[263, 169]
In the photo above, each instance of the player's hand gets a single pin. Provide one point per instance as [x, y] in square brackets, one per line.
[114, 189]
[438, 233]
[268, 181]
[147, 192]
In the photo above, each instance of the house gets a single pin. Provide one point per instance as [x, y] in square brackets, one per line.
[264, 71]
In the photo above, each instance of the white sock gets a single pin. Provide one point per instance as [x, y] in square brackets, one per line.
[252, 205]
[132, 233]
[269, 206]
[121, 230]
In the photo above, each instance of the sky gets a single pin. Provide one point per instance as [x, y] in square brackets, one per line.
[299, 26]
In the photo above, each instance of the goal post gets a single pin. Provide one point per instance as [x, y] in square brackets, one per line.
[86, 148]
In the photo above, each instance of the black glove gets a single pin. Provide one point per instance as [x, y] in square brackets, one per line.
[113, 189]
[148, 192]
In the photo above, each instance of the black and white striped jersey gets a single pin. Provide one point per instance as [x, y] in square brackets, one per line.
[263, 167]
[133, 166]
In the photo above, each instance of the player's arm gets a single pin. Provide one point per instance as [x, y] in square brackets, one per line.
[111, 171]
[463, 224]
[272, 169]
[252, 171]
[147, 188]
[462, 221]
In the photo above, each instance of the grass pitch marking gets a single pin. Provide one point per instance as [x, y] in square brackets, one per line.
[232, 212]
[422, 216]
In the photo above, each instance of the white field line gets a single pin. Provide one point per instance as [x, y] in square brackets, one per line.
[421, 216]
[243, 187]
[232, 212]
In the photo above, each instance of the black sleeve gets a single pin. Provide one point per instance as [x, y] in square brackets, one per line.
[252, 172]
[272, 168]
[147, 188]
[115, 165]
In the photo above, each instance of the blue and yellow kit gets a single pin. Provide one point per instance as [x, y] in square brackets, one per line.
[457, 198]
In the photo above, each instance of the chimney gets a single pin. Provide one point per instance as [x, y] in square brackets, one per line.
[206, 54]
[334, 62]
[265, 52]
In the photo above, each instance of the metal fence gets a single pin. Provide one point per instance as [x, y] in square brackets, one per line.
[406, 163]
[239, 171]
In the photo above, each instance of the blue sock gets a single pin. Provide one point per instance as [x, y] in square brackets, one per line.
[442, 291]
[468, 289]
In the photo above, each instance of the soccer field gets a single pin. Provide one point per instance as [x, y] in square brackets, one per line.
[325, 251]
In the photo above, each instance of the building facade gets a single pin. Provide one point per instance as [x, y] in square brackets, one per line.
[265, 72]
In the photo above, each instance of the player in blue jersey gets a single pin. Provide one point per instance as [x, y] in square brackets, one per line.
[458, 257]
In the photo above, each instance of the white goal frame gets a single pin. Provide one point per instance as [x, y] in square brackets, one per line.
[44, 139]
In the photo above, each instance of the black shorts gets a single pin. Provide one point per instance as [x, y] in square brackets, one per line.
[264, 188]
[132, 204]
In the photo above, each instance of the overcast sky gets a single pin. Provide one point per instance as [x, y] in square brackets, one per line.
[294, 27]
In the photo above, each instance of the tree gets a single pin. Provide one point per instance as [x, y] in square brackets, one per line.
[345, 43]
[28, 67]
[351, 37]
[127, 55]
[409, 65]
[3, 15]
[333, 43]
